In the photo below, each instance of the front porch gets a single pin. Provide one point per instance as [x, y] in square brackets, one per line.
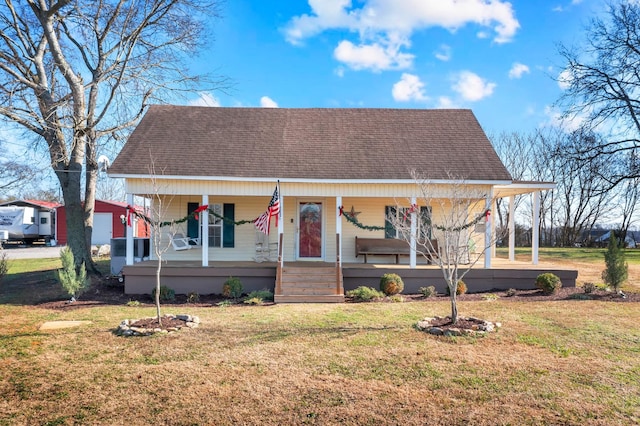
[190, 276]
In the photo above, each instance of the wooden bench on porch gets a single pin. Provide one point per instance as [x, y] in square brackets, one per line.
[386, 247]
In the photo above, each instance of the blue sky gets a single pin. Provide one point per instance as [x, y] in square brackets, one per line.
[495, 57]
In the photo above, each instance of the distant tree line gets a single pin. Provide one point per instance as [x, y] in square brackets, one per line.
[597, 165]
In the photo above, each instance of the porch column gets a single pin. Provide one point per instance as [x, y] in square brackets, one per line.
[129, 244]
[535, 231]
[204, 242]
[512, 229]
[487, 232]
[412, 241]
[494, 240]
[339, 230]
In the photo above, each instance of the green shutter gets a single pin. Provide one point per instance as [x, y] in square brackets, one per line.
[228, 228]
[193, 224]
[389, 230]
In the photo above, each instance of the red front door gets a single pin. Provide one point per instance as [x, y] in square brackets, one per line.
[310, 230]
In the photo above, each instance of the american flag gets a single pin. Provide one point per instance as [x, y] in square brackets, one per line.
[263, 223]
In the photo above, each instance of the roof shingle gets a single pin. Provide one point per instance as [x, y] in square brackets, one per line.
[314, 143]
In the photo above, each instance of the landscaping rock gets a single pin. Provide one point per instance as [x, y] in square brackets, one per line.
[149, 326]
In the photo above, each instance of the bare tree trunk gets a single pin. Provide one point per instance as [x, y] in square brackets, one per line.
[454, 305]
[158, 269]
[91, 177]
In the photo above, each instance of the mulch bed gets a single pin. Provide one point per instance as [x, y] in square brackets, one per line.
[110, 292]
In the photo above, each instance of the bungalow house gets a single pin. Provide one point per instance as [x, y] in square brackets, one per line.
[338, 174]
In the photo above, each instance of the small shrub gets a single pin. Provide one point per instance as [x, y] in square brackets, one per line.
[589, 288]
[603, 287]
[166, 294]
[4, 263]
[460, 289]
[396, 298]
[224, 304]
[490, 296]
[264, 295]
[232, 287]
[193, 297]
[428, 291]
[254, 301]
[133, 303]
[548, 282]
[616, 269]
[391, 284]
[510, 292]
[72, 280]
[365, 294]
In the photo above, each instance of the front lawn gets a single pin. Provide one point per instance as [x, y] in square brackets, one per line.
[564, 362]
[570, 362]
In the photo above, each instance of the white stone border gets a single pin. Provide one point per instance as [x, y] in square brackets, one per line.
[478, 329]
[126, 329]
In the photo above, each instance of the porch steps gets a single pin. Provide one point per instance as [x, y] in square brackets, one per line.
[310, 284]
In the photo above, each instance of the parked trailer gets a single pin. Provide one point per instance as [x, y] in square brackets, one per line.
[26, 224]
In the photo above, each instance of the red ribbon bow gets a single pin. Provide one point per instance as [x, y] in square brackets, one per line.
[129, 213]
[200, 210]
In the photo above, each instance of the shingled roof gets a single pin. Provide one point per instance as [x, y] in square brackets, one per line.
[314, 143]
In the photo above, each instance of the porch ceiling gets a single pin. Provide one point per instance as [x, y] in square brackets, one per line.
[522, 187]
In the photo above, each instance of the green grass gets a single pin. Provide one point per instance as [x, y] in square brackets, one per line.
[33, 281]
[590, 255]
[550, 363]
[564, 362]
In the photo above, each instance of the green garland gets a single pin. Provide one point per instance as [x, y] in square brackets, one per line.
[354, 221]
[427, 221]
[191, 215]
[351, 219]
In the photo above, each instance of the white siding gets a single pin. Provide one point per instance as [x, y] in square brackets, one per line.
[251, 200]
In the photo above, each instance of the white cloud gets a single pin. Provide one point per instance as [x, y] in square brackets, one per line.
[267, 102]
[409, 88]
[445, 102]
[564, 79]
[443, 53]
[205, 99]
[517, 70]
[383, 27]
[372, 56]
[403, 16]
[472, 87]
[555, 119]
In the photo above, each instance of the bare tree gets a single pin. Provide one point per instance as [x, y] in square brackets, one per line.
[14, 175]
[157, 214]
[582, 195]
[451, 232]
[602, 80]
[77, 75]
[516, 150]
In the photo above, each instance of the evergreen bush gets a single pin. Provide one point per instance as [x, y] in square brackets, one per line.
[616, 268]
[391, 284]
[264, 295]
[4, 264]
[548, 282]
[428, 291]
[365, 294]
[232, 288]
[166, 294]
[72, 280]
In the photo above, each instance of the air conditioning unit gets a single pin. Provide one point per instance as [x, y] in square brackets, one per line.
[119, 253]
